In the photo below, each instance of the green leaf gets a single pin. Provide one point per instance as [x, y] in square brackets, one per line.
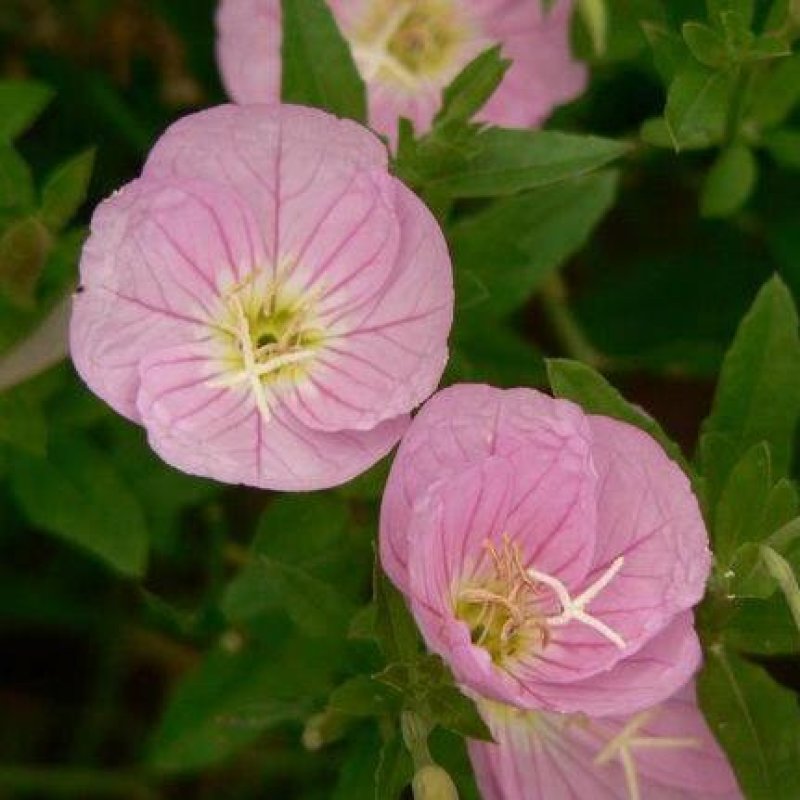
[778, 528]
[24, 247]
[655, 131]
[705, 44]
[578, 382]
[449, 708]
[228, 700]
[363, 696]
[769, 46]
[778, 93]
[784, 146]
[762, 627]
[669, 50]
[78, 495]
[22, 422]
[495, 272]
[734, 18]
[315, 607]
[305, 531]
[471, 88]
[742, 10]
[758, 394]
[394, 771]
[780, 569]
[65, 190]
[756, 721]
[729, 183]
[21, 102]
[697, 106]
[17, 194]
[356, 778]
[301, 529]
[507, 161]
[318, 69]
[394, 626]
[504, 359]
[742, 505]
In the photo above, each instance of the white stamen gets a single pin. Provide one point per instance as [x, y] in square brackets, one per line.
[575, 608]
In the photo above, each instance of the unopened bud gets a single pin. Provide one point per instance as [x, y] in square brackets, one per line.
[595, 18]
[324, 728]
[433, 783]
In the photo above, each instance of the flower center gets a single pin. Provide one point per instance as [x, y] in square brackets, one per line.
[268, 336]
[424, 39]
[509, 612]
[409, 41]
[503, 612]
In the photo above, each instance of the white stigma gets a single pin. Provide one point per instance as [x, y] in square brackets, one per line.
[575, 608]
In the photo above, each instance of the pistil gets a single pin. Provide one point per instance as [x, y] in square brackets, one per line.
[575, 608]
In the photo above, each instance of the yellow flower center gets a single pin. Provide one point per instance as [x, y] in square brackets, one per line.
[502, 611]
[408, 42]
[267, 335]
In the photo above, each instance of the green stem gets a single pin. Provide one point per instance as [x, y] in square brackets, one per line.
[736, 109]
[415, 735]
[74, 782]
[565, 325]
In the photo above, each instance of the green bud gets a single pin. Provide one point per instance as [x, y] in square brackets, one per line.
[324, 728]
[595, 17]
[433, 783]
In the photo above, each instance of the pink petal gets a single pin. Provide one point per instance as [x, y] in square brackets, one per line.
[637, 681]
[219, 432]
[150, 273]
[648, 514]
[542, 756]
[249, 49]
[391, 354]
[543, 74]
[260, 143]
[459, 426]
[696, 771]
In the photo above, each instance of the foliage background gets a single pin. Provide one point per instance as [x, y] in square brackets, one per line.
[166, 637]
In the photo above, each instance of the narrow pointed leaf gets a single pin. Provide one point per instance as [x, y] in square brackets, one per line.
[318, 69]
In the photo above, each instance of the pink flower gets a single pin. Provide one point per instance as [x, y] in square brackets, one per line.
[266, 299]
[549, 556]
[662, 753]
[407, 51]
